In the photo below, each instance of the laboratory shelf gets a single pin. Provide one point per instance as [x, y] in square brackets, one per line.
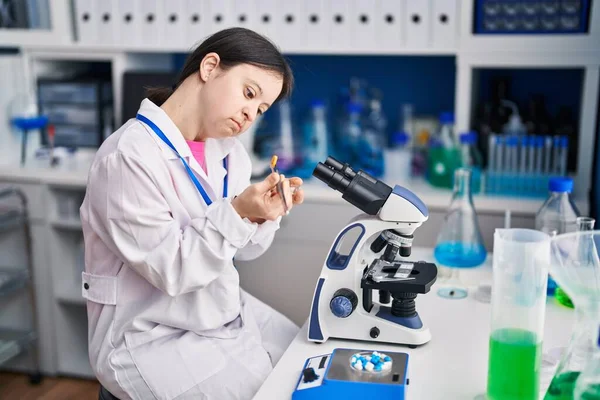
[13, 342]
[12, 280]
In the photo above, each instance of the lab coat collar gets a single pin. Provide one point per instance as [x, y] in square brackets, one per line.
[215, 149]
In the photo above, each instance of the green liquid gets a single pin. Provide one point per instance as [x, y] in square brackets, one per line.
[562, 387]
[563, 298]
[592, 393]
[514, 365]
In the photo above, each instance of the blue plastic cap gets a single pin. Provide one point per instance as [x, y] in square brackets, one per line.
[512, 141]
[400, 138]
[447, 117]
[556, 141]
[560, 184]
[539, 141]
[468, 138]
[317, 103]
[354, 108]
[564, 141]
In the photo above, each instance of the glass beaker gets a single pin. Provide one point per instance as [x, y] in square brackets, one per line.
[575, 265]
[459, 243]
[583, 224]
[520, 275]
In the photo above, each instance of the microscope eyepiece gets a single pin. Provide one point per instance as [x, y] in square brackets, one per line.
[358, 188]
[334, 179]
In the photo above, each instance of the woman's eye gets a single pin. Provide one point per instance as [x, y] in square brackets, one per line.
[249, 93]
[260, 112]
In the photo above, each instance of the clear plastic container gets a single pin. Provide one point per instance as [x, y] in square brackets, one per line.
[558, 214]
[398, 159]
[520, 274]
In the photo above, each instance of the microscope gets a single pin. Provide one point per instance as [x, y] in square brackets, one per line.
[367, 256]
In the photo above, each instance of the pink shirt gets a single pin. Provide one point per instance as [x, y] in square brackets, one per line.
[198, 152]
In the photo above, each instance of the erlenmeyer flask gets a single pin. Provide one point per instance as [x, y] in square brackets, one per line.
[575, 265]
[459, 243]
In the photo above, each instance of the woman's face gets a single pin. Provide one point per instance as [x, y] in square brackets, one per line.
[231, 100]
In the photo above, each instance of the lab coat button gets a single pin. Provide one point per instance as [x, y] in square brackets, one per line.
[86, 286]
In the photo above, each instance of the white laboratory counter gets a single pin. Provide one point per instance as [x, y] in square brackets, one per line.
[73, 173]
[453, 365]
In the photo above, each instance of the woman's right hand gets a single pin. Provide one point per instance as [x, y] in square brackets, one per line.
[259, 201]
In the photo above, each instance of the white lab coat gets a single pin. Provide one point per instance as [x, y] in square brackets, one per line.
[167, 318]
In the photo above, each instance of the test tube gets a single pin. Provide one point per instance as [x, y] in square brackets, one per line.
[499, 163]
[548, 154]
[491, 175]
[523, 154]
[513, 143]
[531, 160]
[555, 159]
[564, 150]
[539, 149]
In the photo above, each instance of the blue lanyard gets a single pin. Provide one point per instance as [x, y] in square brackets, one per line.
[161, 135]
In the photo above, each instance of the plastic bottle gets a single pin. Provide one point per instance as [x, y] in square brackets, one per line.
[316, 134]
[398, 158]
[444, 156]
[374, 138]
[349, 134]
[558, 214]
[514, 126]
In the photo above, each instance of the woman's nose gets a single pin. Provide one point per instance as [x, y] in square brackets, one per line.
[249, 115]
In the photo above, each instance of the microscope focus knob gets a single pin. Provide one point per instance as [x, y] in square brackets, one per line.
[343, 303]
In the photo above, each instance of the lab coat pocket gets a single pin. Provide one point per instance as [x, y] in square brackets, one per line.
[171, 365]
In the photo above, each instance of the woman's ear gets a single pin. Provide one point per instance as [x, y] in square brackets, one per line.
[208, 65]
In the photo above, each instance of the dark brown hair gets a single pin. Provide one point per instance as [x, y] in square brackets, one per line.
[234, 46]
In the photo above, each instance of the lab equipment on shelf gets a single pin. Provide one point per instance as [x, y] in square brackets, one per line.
[368, 256]
[523, 165]
[16, 278]
[444, 154]
[352, 374]
[520, 272]
[575, 266]
[398, 158]
[558, 214]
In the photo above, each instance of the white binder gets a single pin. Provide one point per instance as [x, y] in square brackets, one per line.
[106, 17]
[86, 21]
[316, 36]
[197, 17]
[268, 13]
[390, 24]
[221, 15]
[291, 26]
[340, 24]
[127, 21]
[418, 23]
[174, 24]
[363, 22]
[151, 20]
[445, 23]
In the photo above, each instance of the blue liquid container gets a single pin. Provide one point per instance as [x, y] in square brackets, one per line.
[459, 243]
[460, 255]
